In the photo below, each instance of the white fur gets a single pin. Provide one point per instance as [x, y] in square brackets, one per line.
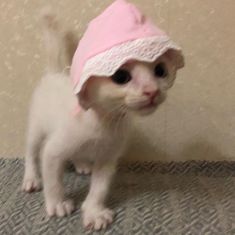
[93, 138]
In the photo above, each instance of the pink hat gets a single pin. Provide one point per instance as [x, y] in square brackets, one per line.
[121, 33]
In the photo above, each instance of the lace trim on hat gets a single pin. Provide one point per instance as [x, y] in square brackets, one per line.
[144, 49]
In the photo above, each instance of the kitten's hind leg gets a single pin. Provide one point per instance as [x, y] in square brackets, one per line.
[32, 180]
[56, 153]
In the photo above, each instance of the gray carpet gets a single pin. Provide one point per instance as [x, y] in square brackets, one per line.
[151, 198]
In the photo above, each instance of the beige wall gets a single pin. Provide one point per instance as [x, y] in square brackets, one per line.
[198, 119]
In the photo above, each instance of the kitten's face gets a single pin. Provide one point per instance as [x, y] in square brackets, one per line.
[137, 87]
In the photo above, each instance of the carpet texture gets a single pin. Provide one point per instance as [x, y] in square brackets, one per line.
[190, 198]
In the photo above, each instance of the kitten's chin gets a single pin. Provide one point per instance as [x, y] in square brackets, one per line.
[144, 110]
[148, 109]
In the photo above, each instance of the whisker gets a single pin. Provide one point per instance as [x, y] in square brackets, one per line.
[114, 116]
[119, 122]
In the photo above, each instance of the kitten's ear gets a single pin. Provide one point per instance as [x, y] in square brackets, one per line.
[175, 58]
[83, 99]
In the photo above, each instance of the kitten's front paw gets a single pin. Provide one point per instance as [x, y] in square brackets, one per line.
[60, 209]
[31, 184]
[97, 219]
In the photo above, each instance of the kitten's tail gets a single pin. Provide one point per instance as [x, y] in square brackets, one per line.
[60, 45]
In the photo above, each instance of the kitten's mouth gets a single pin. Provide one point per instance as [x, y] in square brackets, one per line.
[151, 104]
[149, 107]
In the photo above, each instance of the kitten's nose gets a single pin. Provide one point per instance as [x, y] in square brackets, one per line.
[151, 94]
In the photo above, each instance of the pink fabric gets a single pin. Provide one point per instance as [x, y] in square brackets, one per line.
[119, 23]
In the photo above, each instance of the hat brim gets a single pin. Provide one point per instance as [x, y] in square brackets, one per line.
[143, 49]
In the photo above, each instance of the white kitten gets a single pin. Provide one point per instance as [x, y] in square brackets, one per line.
[93, 139]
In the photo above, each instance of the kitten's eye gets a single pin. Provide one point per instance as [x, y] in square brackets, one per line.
[160, 70]
[121, 77]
